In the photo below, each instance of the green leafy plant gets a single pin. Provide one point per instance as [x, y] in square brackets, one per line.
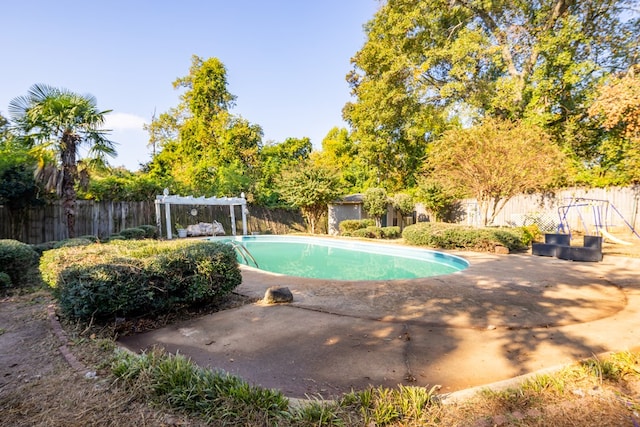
[371, 232]
[451, 236]
[375, 203]
[530, 234]
[614, 368]
[392, 232]
[5, 281]
[350, 225]
[126, 278]
[133, 233]
[212, 395]
[316, 412]
[17, 260]
[150, 231]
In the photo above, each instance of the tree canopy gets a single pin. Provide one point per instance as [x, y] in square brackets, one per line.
[428, 65]
[202, 145]
[61, 122]
[375, 202]
[617, 106]
[449, 97]
[309, 188]
[494, 162]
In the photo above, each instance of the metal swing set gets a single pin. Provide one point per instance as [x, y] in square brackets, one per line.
[602, 210]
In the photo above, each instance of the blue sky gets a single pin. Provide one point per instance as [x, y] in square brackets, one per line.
[286, 59]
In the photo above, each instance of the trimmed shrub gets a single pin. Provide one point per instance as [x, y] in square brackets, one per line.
[17, 260]
[41, 247]
[530, 233]
[452, 236]
[150, 231]
[350, 225]
[131, 278]
[392, 232]
[133, 233]
[371, 232]
[5, 281]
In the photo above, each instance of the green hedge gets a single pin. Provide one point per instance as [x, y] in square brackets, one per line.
[151, 231]
[5, 281]
[391, 232]
[348, 226]
[139, 277]
[453, 236]
[17, 261]
[373, 232]
[133, 233]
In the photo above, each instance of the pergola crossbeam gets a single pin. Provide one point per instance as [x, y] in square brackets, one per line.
[169, 199]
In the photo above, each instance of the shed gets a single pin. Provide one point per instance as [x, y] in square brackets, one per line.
[347, 207]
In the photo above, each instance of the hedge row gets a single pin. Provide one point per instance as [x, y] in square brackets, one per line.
[373, 232]
[17, 262]
[351, 225]
[452, 236]
[138, 277]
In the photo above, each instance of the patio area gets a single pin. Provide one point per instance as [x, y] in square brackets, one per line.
[504, 316]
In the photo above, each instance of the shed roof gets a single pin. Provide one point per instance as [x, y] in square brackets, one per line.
[351, 199]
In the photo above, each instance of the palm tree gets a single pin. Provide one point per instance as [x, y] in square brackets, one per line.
[61, 121]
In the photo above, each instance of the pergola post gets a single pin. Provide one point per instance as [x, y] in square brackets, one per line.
[158, 220]
[244, 219]
[167, 215]
[233, 219]
[167, 200]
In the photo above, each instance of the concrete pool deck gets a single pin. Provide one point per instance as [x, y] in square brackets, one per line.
[504, 316]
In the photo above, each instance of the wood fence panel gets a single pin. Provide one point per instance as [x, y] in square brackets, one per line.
[103, 219]
[625, 200]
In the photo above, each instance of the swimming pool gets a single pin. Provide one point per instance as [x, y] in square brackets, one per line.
[326, 258]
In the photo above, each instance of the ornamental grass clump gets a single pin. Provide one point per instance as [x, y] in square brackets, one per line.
[138, 277]
[214, 396]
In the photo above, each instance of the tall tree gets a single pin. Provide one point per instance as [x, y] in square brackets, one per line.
[274, 160]
[309, 188]
[494, 162]
[473, 58]
[205, 148]
[339, 151]
[376, 203]
[617, 108]
[62, 121]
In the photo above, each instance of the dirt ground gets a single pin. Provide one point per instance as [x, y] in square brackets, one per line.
[40, 387]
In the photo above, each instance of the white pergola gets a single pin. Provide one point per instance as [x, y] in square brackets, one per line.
[167, 200]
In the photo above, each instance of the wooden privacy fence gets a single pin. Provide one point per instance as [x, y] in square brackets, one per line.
[103, 219]
[579, 208]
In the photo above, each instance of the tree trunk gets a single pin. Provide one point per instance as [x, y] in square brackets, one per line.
[69, 174]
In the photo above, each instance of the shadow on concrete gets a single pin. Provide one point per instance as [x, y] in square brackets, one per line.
[504, 316]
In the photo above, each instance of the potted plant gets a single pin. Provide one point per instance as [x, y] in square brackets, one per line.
[182, 232]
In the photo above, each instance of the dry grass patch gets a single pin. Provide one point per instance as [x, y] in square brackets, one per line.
[39, 388]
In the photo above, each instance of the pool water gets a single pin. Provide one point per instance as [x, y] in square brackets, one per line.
[343, 260]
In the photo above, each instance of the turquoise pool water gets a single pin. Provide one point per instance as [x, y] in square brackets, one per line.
[335, 259]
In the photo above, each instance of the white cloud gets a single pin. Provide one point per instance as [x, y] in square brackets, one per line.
[124, 121]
